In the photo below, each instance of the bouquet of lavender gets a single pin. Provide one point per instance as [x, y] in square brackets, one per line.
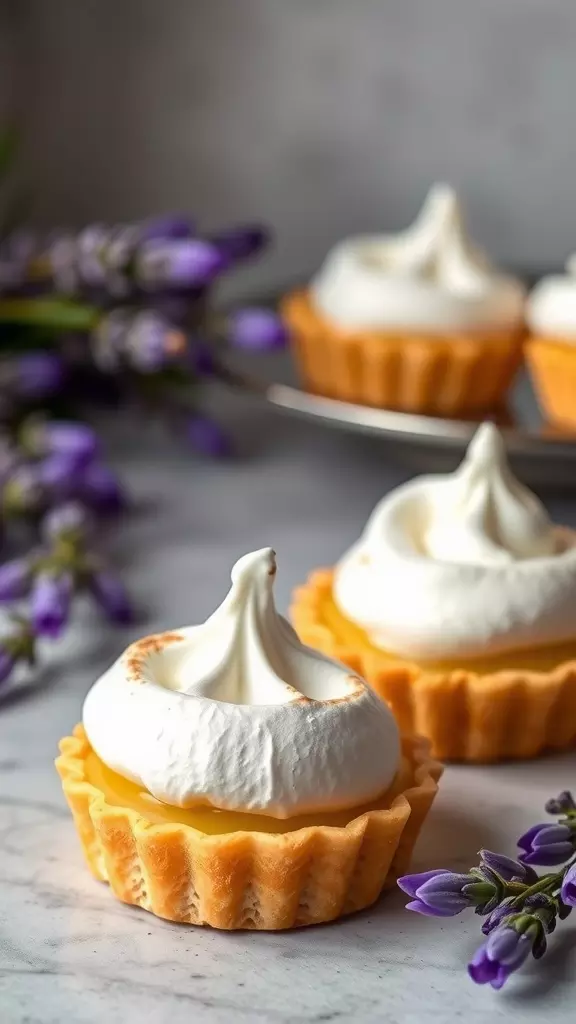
[122, 311]
[521, 907]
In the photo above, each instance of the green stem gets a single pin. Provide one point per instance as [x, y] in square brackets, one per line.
[550, 881]
[58, 314]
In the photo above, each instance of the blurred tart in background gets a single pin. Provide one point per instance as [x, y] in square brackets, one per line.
[227, 775]
[551, 347]
[458, 605]
[419, 322]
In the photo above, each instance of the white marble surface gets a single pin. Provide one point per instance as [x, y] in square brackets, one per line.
[69, 952]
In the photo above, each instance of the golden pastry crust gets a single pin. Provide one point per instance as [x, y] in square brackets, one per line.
[247, 879]
[454, 375]
[467, 716]
[552, 365]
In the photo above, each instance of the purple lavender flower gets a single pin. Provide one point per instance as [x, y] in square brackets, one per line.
[101, 489]
[170, 225]
[507, 868]
[151, 342]
[437, 893]
[37, 374]
[497, 916]
[241, 243]
[561, 804]
[568, 891]
[91, 246]
[180, 263]
[69, 520]
[256, 329]
[76, 441]
[50, 603]
[15, 579]
[112, 597]
[60, 475]
[206, 436]
[7, 663]
[547, 844]
[504, 951]
[62, 259]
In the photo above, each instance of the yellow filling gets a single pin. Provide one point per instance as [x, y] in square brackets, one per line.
[534, 659]
[119, 792]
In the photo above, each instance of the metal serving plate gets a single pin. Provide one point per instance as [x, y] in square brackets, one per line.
[541, 454]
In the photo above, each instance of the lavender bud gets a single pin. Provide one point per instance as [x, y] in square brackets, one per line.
[101, 490]
[256, 329]
[50, 603]
[241, 243]
[504, 951]
[111, 596]
[182, 263]
[15, 579]
[547, 844]
[151, 342]
[438, 893]
[568, 891]
[507, 868]
[206, 436]
[562, 804]
[168, 226]
[37, 374]
[76, 441]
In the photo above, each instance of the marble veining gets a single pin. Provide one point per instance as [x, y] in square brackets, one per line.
[69, 952]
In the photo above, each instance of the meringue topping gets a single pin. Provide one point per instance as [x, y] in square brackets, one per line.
[461, 565]
[551, 306]
[238, 714]
[429, 277]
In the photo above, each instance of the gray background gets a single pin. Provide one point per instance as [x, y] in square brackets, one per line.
[321, 116]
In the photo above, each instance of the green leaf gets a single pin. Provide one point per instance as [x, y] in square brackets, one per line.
[8, 147]
[55, 314]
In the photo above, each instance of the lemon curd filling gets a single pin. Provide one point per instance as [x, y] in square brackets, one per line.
[532, 659]
[120, 792]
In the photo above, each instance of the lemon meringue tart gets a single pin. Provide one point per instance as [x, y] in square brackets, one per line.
[551, 346]
[419, 322]
[458, 605]
[227, 775]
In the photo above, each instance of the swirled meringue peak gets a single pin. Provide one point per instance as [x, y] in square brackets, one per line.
[465, 564]
[551, 306]
[238, 714]
[429, 277]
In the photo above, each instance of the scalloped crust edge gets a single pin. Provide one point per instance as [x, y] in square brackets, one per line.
[412, 372]
[246, 879]
[465, 715]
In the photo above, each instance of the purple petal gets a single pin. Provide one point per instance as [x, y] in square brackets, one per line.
[552, 835]
[525, 841]
[71, 518]
[504, 866]
[169, 225]
[15, 578]
[411, 883]
[568, 891]
[243, 242]
[482, 970]
[60, 474]
[182, 263]
[101, 489]
[502, 944]
[50, 603]
[256, 329]
[112, 597]
[75, 440]
[549, 856]
[38, 374]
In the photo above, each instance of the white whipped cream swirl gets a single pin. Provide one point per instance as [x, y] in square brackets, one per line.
[551, 307]
[466, 564]
[429, 277]
[238, 714]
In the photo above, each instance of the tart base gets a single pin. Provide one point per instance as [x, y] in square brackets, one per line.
[476, 716]
[247, 879]
[552, 364]
[450, 375]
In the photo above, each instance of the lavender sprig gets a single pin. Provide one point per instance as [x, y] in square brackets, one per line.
[521, 908]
